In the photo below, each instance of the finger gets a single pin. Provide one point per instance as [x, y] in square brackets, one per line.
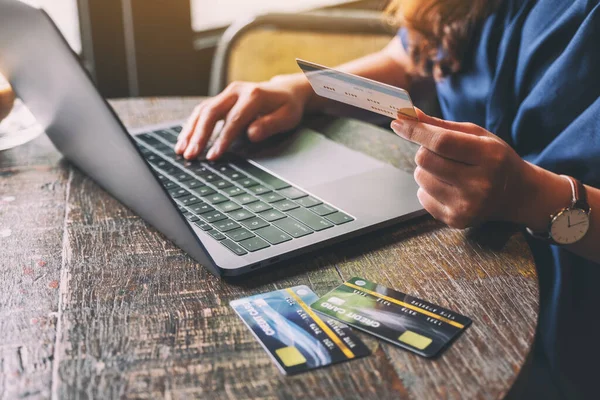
[454, 145]
[214, 111]
[243, 112]
[433, 207]
[188, 130]
[279, 121]
[465, 127]
[437, 188]
[449, 171]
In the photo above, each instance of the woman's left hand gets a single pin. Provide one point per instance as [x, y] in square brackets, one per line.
[466, 174]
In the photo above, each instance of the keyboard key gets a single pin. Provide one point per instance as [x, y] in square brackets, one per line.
[223, 168]
[162, 147]
[254, 223]
[272, 215]
[161, 163]
[228, 206]
[216, 198]
[200, 208]
[191, 217]
[308, 202]
[204, 191]
[264, 176]
[240, 234]
[221, 184]
[234, 175]
[189, 200]
[241, 215]
[247, 182]
[209, 176]
[259, 206]
[323, 209]
[177, 129]
[147, 138]
[169, 185]
[339, 218]
[273, 235]
[234, 191]
[245, 199]
[171, 170]
[193, 184]
[204, 226]
[167, 135]
[216, 235]
[293, 227]
[292, 193]
[259, 189]
[254, 244]
[271, 197]
[312, 220]
[213, 216]
[233, 246]
[169, 153]
[198, 168]
[144, 150]
[178, 192]
[226, 225]
[153, 158]
[182, 177]
[285, 205]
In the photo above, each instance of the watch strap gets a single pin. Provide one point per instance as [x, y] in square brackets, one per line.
[579, 194]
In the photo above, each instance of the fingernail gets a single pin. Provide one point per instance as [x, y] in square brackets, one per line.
[396, 125]
[191, 151]
[212, 153]
[180, 146]
[253, 131]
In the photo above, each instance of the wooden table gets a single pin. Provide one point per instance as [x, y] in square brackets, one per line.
[97, 304]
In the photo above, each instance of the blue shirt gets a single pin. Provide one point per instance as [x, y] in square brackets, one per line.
[532, 77]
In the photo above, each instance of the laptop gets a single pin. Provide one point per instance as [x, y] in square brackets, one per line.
[232, 216]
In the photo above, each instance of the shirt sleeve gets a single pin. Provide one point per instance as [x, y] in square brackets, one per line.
[554, 106]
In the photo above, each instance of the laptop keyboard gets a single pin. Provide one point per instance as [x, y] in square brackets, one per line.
[238, 204]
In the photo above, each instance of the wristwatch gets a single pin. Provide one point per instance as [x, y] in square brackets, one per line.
[570, 224]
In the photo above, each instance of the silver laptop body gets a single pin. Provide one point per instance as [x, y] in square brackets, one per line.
[49, 78]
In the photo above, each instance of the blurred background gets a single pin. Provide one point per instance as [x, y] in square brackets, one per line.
[167, 47]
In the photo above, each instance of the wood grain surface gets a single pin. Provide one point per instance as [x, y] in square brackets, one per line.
[97, 304]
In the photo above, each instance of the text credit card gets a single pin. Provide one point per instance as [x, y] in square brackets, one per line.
[296, 338]
[403, 320]
[358, 91]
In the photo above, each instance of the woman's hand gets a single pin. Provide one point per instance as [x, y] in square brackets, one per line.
[466, 174]
[258, 109]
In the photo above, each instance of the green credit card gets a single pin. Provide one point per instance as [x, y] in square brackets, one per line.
[403, 320]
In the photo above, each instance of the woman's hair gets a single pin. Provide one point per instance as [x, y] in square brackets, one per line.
[439, 31]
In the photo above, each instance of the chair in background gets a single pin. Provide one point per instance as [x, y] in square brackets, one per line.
[264, 46]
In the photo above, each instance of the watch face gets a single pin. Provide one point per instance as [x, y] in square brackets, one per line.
[569, 226]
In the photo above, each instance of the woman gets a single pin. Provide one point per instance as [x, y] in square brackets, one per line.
[522, 77]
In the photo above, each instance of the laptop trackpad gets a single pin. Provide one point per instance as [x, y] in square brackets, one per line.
[308, 158]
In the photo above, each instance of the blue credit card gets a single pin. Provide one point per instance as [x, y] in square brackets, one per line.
[297, 338]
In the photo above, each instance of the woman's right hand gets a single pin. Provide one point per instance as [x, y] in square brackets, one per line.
[259, 109]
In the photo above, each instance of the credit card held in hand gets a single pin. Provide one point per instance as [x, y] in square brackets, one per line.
[357, 91]
[403, 320]
[297, 338]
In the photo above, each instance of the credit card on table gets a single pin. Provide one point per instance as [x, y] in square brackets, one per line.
[297, 338]
[403, 320]
[358, 91]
